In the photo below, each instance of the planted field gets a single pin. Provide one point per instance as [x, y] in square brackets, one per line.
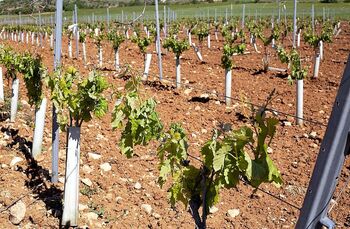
[120, 192]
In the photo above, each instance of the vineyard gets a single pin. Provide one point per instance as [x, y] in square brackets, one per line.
[225, 134]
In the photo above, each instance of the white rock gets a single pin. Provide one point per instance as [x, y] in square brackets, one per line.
[233, 213]
[94, 156]
[15, 160]
[313, 135]
[204, 131]
[86, 181]
[83, 207]
[90, 216]
[137, 186]
[106, 167]
[188, 91]
[87, 169]
[213, 209]
[156, 215]
[118, 199]
[204, 95]
[269, 150]
[17, 212]
[197, 108]
[287, 123]
[147, 208]
[99, 137]
[61, 180]
[217, 102]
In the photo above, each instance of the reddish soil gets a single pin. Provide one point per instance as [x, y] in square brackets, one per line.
[294, 152]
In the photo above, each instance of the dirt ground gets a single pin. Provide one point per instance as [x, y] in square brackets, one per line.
[113, 196]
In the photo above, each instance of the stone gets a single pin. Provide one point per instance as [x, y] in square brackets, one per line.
[15, 160]
[83, 207]
[233, 213]
[156, 215]
[204, 131]
[213, 209]
[106, 167]
[286, 123]
[269, 150]
[87, 181]
[87, 169]
[313, 135]
[118, 199]
[94, 156]
[90, 216]
[137, 186]
[61, 180]
[147, 208]
[17, 212]
[197, 108]
[188, 91]
[217, 102]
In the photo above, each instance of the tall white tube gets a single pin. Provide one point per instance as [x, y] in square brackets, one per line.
[14, 99]
[84, 53]
[320, 45]
[100, 59]
[70, 49]
[147, 65]
[39, 128]
[71, 184]
[2, 98]
[298, 38]
[316, 65]
[189, 38]
[208, 41]
[116, 56]
[300, 99]
[198, 53]
[178, 73]
[228, 82]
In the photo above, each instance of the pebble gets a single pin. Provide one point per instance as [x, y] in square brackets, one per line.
[61, 180]
[233, 213]
[106, 167]
[204, 131]
[137, 186]
[286, 123]
[83, 207]
[188, 91]
[94, 156]
[118, 199]
[87, 181]
[17, 212]
[313, 145]
[15, 160]
[197, 108]
[213, 209]
[217, 102]
[156, 215]
[147, 208]
[269, 150]
[87, 169]
[90, 216]
[313, 135]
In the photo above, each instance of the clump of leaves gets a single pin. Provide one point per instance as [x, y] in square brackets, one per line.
[76, 99]
[229, 50]
[294, 62]
[142, 42]
[177, 46]
[227, 157]
[137, 118]
[314, 39]
[116, 39]
[34, 73]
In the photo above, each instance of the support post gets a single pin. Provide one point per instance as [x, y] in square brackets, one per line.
[334, 148]
[57, 63]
